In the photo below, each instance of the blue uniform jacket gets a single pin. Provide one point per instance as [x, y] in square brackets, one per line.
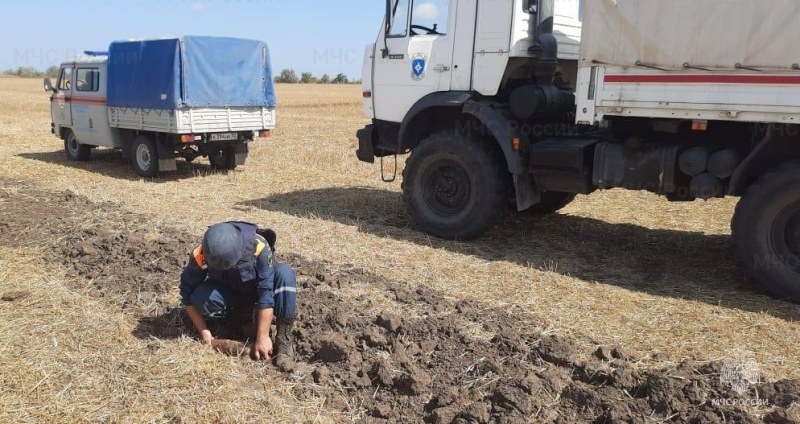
[259, 290]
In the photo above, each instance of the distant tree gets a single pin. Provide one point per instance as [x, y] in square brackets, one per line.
[340, 79]
[325, 79]
[51, 72]
[307, 78]
[287, 76]
[27, 72]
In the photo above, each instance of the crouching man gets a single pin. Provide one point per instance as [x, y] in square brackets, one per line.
[234, 270]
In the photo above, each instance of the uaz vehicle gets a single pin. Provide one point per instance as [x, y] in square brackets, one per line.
[155, 100]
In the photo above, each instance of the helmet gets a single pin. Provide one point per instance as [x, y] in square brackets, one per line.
[222, 246]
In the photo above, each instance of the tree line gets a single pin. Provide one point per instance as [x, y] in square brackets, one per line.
[289, 76]
[30, 72]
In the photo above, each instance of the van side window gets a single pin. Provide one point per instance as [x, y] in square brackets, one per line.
[87, 79]
[65, 79]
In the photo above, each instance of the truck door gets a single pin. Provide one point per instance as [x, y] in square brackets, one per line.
[414, 57]
[61, 101]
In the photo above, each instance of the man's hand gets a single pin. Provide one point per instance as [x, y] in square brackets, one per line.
[200, 324]
[206, 336]
[262, 349]
[263, 346]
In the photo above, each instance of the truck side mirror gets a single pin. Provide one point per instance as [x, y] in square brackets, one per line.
[48, 86]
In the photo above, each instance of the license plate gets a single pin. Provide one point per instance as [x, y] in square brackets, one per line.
[224, 136]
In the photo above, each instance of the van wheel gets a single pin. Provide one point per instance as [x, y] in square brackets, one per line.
[144, 156]
[223, 159]
[766, 232]
[455, 187]
[75, 150]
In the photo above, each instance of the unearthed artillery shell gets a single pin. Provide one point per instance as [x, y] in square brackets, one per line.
[231, 348]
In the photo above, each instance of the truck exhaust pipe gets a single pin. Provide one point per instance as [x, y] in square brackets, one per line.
[545, 47]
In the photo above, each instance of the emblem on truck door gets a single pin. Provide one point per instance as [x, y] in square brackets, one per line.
[418, 62]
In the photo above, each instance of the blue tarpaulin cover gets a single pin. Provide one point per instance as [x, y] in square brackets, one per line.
[190, 72]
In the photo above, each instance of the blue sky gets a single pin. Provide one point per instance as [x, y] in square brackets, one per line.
[315, 36]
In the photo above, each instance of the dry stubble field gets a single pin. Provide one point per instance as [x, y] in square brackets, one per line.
[90, 255]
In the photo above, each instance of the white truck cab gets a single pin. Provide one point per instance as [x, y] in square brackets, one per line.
[466, 46]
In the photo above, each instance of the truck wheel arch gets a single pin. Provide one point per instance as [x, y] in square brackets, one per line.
[453, 109]
[427, 115]
[781, 143]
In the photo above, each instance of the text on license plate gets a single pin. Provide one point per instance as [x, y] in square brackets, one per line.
[224, 136]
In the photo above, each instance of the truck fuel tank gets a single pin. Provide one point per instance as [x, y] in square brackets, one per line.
[633, 166]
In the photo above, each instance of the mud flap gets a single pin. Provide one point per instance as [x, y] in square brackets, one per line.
[366, 144]
[240, 152]
[126, 139]
[166, 157]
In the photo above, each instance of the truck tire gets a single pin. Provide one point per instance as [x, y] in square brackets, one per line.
[144, 156]
[455, 187]
[552, 201]
[766, 232]
[223, 159]
[74, 149]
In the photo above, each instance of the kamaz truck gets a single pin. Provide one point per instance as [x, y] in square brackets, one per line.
[689, 99]
[156, 100]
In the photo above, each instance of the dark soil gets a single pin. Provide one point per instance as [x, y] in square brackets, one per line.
[376, 359]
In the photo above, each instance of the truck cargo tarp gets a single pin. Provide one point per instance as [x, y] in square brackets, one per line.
[703, 33]
[190, 72]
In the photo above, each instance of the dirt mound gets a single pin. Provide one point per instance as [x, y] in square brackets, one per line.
[433, 366]
[414, 356]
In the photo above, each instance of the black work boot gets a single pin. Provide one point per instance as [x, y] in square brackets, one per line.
[284, 356]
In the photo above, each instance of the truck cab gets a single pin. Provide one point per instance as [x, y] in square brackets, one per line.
[430, 46]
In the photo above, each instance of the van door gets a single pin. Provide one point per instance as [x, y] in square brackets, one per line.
[89, 112]
[419, 44]
[61, 101]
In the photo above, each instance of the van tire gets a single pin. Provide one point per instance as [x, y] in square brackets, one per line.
[74, 149]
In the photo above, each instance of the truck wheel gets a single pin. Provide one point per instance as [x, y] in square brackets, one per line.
[552, 201]
[766, 232]
[455, 187]
[223, 159]
[144, 156]
[75, 150]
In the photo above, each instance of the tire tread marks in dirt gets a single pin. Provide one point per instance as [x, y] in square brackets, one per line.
[366, 357]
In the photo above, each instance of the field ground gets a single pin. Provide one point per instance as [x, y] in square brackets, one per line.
[394, 323]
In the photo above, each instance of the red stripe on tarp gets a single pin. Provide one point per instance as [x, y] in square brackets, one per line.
[705, 79]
